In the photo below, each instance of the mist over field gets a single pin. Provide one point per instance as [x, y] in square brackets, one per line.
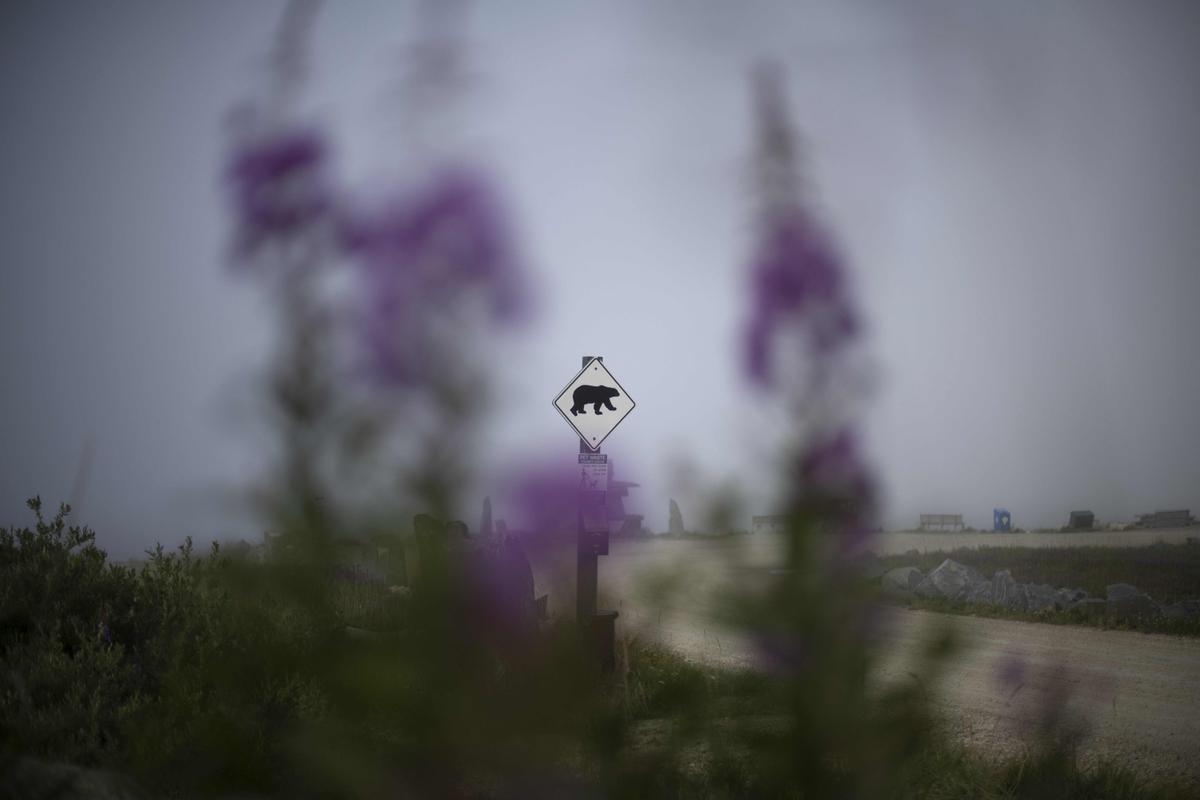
[1015, 187]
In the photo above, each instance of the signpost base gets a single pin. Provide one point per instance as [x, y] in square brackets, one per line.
[604, 639]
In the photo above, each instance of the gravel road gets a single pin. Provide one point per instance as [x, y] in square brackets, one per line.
[1137, 695]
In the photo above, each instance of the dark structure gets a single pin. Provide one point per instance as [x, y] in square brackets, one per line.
[1081, 521]
[499, 577]
[675, 520]
[486, 529]
[1001, 520]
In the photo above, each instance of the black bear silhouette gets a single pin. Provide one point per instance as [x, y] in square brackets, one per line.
[593, 396]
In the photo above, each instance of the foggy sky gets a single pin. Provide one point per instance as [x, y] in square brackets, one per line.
[1015, 186]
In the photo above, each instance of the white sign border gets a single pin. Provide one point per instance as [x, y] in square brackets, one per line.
[575, 377]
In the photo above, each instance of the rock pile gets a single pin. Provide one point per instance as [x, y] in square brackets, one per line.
[954, 581]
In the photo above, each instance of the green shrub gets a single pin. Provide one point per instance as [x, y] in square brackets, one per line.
[168, 671]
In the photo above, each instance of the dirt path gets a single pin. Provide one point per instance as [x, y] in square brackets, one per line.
[1138, 695]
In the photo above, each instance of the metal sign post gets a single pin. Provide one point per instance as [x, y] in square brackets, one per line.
[586, 557]
[583, 404]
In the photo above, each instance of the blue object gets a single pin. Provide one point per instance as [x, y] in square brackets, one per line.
[1001, 520]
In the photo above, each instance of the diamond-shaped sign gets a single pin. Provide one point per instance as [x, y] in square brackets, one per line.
[594, 403]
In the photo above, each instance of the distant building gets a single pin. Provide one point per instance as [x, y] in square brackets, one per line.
[1081, 521]
[1166, 519]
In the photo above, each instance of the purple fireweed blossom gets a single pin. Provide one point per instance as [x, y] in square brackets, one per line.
[278, 188]
[833, 466]
[499, 594]
[797, 278]
[1011, 673]
[276, 167]
[800, 298]
[422, 255]
[780, 652]
[545, 497]
[1041, 699]
[833, 478]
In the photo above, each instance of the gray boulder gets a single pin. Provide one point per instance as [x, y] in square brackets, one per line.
[1040, 597]
[1090, 606]
[981, 592]
[901, 581]
[1120, 591]
[1007, 593]
[1126, 601]
[950, 580]
[1188, 609]
[1065, 598]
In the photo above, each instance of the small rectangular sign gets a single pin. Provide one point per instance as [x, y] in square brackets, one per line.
[593, 471]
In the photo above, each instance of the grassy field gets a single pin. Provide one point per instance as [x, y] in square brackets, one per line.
[897, 542]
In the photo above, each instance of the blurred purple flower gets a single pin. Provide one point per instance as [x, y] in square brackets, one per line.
[278, 188]
[424, 252]
[1011, 673]
[799, 294]
[797, 279]
[500, 597]
[781, 652]
[834, 467]
[833, 480]
[545, 497]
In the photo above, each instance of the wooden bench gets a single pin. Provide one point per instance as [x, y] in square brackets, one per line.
[942, 522]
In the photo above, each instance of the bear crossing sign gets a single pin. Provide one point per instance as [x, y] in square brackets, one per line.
[593, 403]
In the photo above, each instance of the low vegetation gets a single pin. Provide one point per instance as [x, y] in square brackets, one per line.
[1177, 627]
[1169, 573]
[195, 678]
